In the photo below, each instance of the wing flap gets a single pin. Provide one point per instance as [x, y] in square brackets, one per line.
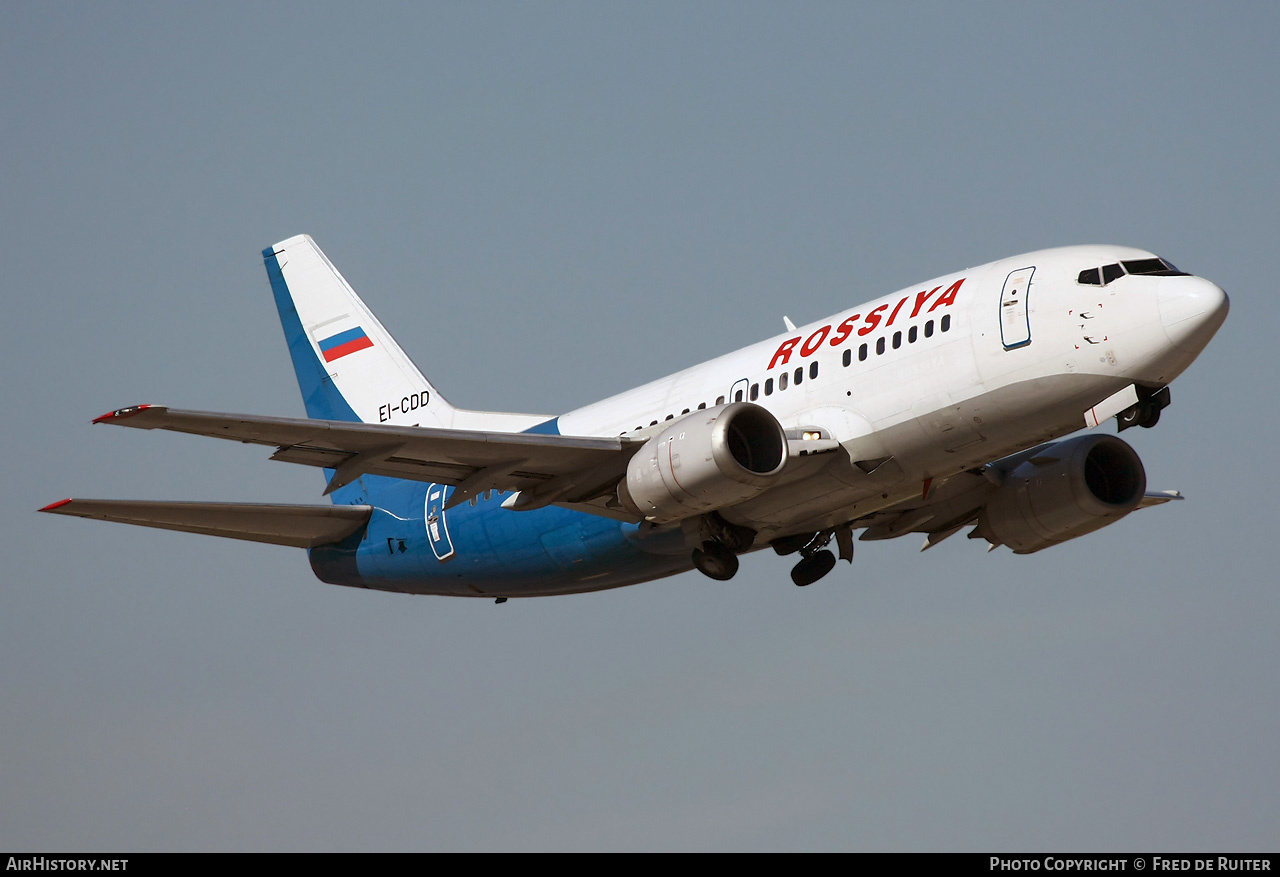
[299, 526]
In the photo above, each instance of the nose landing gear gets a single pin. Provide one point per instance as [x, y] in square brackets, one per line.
[1147, 412]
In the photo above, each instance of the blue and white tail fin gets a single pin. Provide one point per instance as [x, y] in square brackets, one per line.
[348, 365]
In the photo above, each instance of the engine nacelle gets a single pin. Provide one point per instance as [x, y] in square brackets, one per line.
[1089, 482]
[705, 461]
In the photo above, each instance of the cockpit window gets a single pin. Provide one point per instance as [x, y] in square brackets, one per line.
[1152, 267]
[1158, 267]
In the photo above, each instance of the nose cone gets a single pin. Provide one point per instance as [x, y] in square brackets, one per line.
[1191, 309]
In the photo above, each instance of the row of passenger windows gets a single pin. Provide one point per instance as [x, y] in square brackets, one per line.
[1107, 273]
[701, 405]
[796, 378]
[912, 336]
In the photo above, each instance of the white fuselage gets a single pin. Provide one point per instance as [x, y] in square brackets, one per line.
[860, 421]
[933, 378]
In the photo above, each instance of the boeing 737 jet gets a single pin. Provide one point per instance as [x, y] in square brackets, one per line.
[929, 410]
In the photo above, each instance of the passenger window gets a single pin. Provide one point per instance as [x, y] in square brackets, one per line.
[1090, 277]
[768, 387]
[928, 329]
[946, 323]
[782, 381]
[755, 392]
[879, 346]
[897, 340]
[798, 377]
[813, 369]
[862, 353]
[911, 336]
[1111, 272]
[848, 357]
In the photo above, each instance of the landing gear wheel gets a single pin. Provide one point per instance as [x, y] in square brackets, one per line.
[715, 561]
[812, 568]
[1146, 413]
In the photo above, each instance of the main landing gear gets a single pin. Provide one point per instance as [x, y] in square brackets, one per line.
[813, 567]
[715, 561]
[717, 556]
[816, 559]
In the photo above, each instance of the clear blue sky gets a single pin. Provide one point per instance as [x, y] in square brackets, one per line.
[548, 203]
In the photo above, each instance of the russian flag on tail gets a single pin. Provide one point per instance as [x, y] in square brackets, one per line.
[338, 346]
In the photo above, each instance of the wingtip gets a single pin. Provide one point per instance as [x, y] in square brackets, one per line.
[121, 413]
[54, 505]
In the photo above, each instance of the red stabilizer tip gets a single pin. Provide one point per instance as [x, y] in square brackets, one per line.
[121, 412]
[53, 505]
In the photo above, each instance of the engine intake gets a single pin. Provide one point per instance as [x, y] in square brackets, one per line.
[705, 461]
[1066, 490]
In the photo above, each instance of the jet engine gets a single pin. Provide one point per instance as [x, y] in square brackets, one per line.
[1066, 490]
[705, 461]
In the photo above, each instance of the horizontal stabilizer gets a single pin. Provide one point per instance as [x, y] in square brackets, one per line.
[300, 526]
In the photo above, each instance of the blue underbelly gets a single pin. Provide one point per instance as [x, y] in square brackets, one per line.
[412, 544]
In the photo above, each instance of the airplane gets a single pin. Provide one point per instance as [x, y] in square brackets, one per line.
[926, 411]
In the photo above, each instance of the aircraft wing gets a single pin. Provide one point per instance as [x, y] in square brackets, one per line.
[301, 526]
[543, 468]
[939, 513]
[957, 502]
